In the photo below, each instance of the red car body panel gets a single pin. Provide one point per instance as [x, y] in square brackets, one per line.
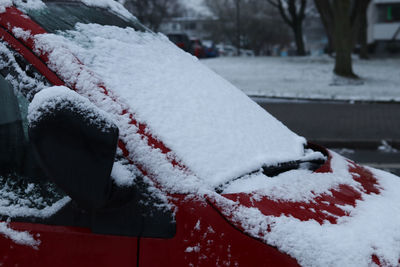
[322, 208]
[204, 237]
[68, 246]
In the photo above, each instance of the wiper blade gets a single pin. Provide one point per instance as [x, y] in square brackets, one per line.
[274, 170]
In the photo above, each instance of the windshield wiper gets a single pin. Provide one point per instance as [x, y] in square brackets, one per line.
[274, 170]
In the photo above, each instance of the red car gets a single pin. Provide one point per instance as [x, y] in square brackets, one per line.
[119, 149]
[197, 48]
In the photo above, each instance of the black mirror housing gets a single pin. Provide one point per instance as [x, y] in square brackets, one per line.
[75, 143]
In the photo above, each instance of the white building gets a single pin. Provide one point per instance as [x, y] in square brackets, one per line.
[384, 21]
[194, 23]
[194, 27]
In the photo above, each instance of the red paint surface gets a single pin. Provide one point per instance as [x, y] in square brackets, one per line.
[219, 244]
[67, 247]
[322, 207]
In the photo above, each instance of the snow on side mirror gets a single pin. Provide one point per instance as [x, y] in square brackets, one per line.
[75, 143]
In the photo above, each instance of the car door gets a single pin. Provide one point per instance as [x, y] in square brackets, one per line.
[39, 224]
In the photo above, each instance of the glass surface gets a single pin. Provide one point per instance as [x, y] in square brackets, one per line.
[22, 183]
[59, 15]
[389, 13]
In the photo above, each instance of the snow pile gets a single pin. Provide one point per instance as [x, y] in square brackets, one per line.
[50, 99]
[371, 227]
[21, 238]
[213, 128]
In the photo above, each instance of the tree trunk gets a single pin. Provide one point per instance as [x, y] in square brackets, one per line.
[343, 41]
[325, 11]
[237, 3]
[298, 35]
[363, 29]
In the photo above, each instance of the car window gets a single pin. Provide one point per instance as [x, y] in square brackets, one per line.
[62, 15]
[27, 195]
[24, 190]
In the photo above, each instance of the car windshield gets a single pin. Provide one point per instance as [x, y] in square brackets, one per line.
[212, 128]
[62, 15]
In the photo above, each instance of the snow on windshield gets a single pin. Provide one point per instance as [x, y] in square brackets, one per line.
[112, 5]
[212, 127]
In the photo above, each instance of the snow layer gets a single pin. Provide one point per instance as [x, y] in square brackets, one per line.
[57, 97]
[309, 77]
[295, 185]
[112, 5]
[213, 128]
[371, 227]
[21, 238]
[4, 4]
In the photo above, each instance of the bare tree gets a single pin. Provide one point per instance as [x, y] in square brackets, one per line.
[343, 21]
[153, 12]
[293, 13]
[256, 26]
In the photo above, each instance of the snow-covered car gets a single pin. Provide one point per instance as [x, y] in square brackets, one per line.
[119, 149]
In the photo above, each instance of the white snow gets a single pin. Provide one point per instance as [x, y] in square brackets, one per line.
[47, 100]
[122, 175]
[371, 227]
[212, 128]
[20, 33]
[4, 4]
[29, 4]
[22, 210]
[21, 238]
[386, 147]
[295, 185]
[309, 77]
[112, 5]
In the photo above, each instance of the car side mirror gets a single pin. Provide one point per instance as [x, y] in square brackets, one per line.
[75, 143]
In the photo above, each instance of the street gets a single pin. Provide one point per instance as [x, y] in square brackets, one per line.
[354, 130]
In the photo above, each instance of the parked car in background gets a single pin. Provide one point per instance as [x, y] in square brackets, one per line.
[226, 50]
[247, 52]
[196, 48]
[181, 40]
[119, 149]
[210, 49]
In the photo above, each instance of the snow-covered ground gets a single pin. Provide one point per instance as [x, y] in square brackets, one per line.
[309, 77]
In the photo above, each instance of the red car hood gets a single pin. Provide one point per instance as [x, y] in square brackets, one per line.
[352, 218]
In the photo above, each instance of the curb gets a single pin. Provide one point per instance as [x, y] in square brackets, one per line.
[354, 144]
[323, 100]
